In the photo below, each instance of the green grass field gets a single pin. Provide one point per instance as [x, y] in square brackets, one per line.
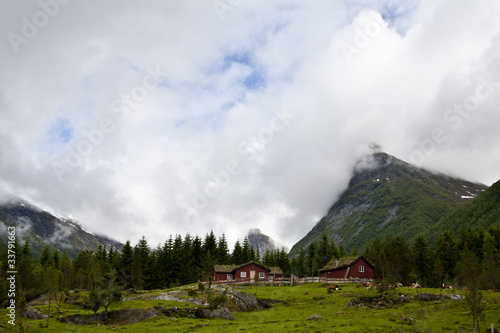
[295, 304]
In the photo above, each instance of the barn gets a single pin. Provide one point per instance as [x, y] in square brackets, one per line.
[248, 272]
[349, 267]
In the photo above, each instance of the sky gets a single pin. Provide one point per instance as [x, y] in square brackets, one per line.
[171, 117]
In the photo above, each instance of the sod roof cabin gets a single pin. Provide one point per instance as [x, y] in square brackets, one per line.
[248, 272]
[349, 267]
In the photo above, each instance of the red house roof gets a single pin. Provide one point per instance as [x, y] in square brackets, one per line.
[337, 264]
[233, 268]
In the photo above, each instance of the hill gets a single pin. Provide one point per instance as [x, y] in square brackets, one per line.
[43, 228]
[387, 196]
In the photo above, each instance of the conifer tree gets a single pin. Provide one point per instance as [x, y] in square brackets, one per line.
[446, 252]
[421, 259]
[197, 258]
[311, 261]
[247, 256]
[55, 258]
[491, 260]
[237, 256]
[125, 272]
[223, 257]
[45, 256]
[66, 269]
[210, 244]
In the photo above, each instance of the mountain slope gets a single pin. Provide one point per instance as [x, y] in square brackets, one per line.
[482, 211]
[387, 196]
[43, 228]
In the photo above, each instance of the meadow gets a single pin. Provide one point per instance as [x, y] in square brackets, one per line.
[289, 308]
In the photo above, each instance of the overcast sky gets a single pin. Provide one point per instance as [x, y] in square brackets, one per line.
[163, 117]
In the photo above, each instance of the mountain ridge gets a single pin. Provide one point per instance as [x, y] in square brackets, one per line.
[388, 196]
[45, 228]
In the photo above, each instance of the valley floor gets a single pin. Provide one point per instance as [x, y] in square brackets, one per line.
[290, 308]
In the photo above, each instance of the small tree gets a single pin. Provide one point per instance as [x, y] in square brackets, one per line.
[471, 274]
[109, 292]
[51, 283]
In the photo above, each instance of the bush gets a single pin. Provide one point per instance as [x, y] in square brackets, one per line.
[215, 301]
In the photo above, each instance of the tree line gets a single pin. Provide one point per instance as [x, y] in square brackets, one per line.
[184, 260]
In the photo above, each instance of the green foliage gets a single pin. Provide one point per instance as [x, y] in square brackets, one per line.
[215, 299]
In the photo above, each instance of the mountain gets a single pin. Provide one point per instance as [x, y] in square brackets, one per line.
[483, 211]
[260, 242]
[43, 228]
[387, 196]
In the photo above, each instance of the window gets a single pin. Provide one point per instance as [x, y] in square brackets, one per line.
[243, 274]
[361, 268]
[230, 276]
[262, 275]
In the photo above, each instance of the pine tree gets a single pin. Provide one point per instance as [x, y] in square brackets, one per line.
[237, 256]
[284, 261]
[55, 258]
[267, 259]
[187, 267]
[176, 260]
[125, 273]
[223, 257]
[210, 244]
[66, 269]
[311, 261]
[198, 258]
[446, 252]
[141, 264]
[301, 263]
[164, 263]
[247, 256]
[490, 261]
[45, 256]
[421, 259]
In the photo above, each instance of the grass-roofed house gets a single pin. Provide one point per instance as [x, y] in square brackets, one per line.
[247, 272]
[344, 268]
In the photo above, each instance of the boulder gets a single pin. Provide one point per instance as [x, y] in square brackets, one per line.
[245, 302]
[34, 314]
[437, 297]
[314, 317]
[117, 317]
[220, 313]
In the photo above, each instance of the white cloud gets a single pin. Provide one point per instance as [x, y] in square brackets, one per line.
[221, 84]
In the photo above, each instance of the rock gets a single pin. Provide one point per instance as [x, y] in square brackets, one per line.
[221, 313]
[355, 302]
[409, 321]
[314, 317]
[245, 302]
[117, 317]
[437, 297]
[34, 314]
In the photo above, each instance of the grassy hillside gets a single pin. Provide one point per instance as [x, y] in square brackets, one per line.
[290, 308]
[389, 197]
[482, 211]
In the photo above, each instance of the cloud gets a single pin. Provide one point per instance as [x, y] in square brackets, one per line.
[121, 114]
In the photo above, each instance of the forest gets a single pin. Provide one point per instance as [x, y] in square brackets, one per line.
[185, 260]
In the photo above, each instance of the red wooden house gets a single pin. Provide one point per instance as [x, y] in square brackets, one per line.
[344, 268]
[249, 272]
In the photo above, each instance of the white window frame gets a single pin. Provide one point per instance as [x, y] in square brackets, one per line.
[243, 274]
[262, 275]
[229, 277]
[361, 268]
